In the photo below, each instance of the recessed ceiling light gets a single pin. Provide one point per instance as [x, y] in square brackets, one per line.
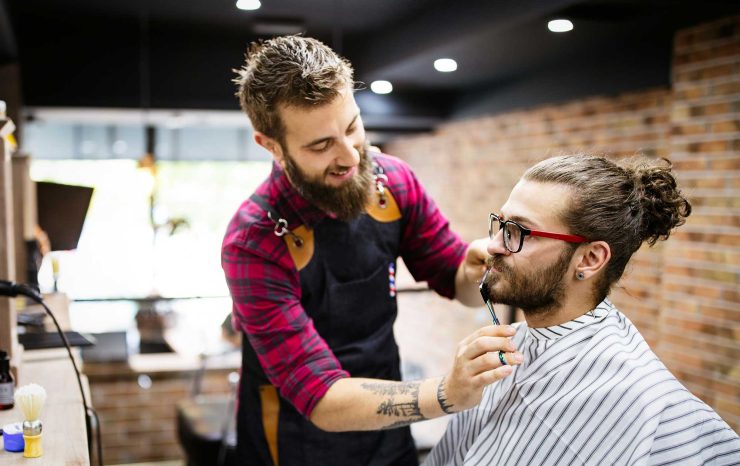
[445, 65]
[381, 87]
[248, 4]
[560, 25]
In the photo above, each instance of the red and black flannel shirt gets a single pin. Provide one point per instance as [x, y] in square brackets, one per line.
[266, 290]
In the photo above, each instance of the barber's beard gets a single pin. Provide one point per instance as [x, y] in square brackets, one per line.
[346, 201]
[535, 292]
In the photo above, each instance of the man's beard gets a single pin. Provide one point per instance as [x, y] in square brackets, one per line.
[346, 201]
[537, 292]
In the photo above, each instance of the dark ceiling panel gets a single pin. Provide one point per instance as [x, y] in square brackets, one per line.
[81, 61]
[180, 54]
[8, 48]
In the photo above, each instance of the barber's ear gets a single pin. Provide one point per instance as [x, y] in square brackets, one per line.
[594, 258]
[271, 145]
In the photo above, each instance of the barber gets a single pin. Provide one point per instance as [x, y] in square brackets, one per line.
[310, 261]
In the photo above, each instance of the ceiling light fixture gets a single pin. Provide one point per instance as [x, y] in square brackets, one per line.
[560, 25]
[381, 87]
[248, 4]
[445, 65]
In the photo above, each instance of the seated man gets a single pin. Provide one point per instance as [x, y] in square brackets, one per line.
[590, 390]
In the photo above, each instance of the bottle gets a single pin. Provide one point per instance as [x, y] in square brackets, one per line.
[7, 384]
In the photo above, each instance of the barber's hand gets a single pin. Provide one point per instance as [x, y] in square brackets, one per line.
[477, 365]
[475, 260]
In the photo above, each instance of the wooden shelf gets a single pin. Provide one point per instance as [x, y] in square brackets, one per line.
[64, 438]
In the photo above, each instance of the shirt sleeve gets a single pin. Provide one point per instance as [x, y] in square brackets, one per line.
[265, 291]
[431, 251]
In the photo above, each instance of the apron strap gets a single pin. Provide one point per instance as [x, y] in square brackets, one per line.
[299, 241]
[385, 209]
[270, 414]
[281, 225]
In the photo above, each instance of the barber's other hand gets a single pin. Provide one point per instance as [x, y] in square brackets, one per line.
[477, 365]
[475, 260]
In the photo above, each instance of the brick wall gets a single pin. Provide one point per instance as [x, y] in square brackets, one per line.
[139, 424]
[700, 325]
[682, 294]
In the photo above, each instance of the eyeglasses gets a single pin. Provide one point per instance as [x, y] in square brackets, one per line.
[514, 233]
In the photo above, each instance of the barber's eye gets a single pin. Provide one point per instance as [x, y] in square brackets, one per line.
[321, 147]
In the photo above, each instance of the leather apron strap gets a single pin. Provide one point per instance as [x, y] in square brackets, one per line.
[270, 415]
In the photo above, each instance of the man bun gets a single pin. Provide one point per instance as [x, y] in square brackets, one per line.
[661, 205]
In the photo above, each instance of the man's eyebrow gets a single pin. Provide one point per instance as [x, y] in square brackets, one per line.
[520, 219]
[328, 138]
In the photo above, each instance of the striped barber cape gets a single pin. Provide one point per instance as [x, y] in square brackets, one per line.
[590, 392]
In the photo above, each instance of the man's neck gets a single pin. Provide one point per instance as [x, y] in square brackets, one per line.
[572, 307]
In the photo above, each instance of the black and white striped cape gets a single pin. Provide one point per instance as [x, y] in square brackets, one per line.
[590, 392]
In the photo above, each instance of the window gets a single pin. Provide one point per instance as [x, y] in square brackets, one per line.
[120, 253]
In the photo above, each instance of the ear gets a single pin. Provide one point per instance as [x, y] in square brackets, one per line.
[271, 145]
[594, 258]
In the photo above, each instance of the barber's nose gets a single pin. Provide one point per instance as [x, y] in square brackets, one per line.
[350, 153]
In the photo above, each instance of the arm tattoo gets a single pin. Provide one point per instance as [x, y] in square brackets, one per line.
[442, 397]
[392, 388]
[407, 407]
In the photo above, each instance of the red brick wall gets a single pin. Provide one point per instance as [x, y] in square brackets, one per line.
[700, 324]
[139, 424]
[682, 294]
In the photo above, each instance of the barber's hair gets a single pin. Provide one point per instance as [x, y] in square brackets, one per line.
[623, 203]
[292, 71]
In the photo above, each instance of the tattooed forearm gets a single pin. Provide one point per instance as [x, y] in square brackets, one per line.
[402, 401]
[392, 388]
[442, 397]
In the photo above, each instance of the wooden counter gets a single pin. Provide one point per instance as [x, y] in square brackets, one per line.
[64, 438]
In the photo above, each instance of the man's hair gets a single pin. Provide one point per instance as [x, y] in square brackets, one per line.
[290, 70]
[623, 203]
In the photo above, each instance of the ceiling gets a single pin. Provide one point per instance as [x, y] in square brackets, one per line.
[179, 54]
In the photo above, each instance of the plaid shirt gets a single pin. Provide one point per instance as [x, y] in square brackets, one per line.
[266, 290]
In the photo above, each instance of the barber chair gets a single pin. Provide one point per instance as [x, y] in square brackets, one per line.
[206, 424]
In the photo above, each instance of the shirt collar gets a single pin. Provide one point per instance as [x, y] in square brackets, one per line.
[307, 214]
[555, 332]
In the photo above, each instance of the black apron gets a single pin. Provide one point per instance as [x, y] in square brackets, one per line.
[348, 290]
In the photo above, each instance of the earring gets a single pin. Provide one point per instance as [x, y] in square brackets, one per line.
[580, 276]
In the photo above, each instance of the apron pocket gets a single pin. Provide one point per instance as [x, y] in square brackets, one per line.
[361, 308]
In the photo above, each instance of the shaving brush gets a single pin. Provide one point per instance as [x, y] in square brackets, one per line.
[30, 398]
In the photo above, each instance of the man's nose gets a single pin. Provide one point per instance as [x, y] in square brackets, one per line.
[496, 244]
